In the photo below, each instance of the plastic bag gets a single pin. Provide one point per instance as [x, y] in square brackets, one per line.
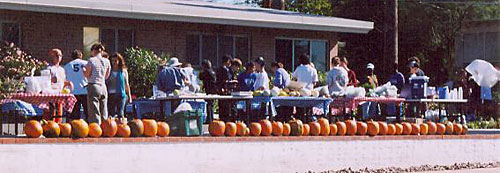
[483, 73]
[183, 107]
[36, 84]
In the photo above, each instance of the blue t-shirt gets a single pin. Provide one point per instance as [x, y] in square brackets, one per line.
[398, 80]
[246, 81]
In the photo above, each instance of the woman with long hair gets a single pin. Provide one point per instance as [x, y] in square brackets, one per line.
[118, 87]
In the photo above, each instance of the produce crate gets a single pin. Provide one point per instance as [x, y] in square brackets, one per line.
[189, 123]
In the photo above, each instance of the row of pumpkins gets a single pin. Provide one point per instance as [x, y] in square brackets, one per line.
[322, 127]
[108, 128]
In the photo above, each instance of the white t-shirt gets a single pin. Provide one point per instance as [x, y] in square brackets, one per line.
[306, 74]
[261, 80]
[337, 80]
[74, 74]
[60, 75]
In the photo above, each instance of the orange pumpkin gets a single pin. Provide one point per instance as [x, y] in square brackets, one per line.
[384, 129]
[391, 129]
[267, 127]
[136, 128]
[163, 129]
[277, 128]
[123, 131]
[333, 129]
[216, 128]
[399, 129]
[65, 129]
[230, 129]
[33, 129]
[449, 128]
[415, 129]
[351, 127]
[432, 128]
[79, 128]
[286, 129]
[373, 128]
[306, 129]
[255, 129]
[109, 127]
[50, 129]
[457, 129]
[464, 129]
[240, 128]
[150, 127]
[315, 128]
[342, 128]
[362, 128]
[424, 129]
[441, 128]
[95, 130]
[325, 126]
[406, 128]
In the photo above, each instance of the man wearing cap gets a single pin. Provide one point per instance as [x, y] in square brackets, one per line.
[370, 109]
[170, 77]
[371, 78]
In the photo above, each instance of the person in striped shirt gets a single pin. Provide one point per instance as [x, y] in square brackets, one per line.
[97, 71]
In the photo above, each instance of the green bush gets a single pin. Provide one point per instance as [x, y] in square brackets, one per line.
[142, 68]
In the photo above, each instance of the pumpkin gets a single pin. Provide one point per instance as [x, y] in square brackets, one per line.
[362, 128]
[240, 128]
[406, 128]
[441, 128]
[373, 128]
[163, 129]
[306, 129]
[65, 129]
[247, 131]
[123, 130]
[33, 129]
[79, 128]
[95, 130]
[136, 128]
[255, 129]
[449, 128]
[424, 129]
[415, 129]
[286, 129]
[342, 128]
[384, 129]
[457, 129]
[150, 127]
[464, 129]
[230, 129]
[216, 128]
[267, 127]
[399, 129]
[333, 129]
[296, 127]
[432, 128]
[391, 129]
[109, 127]
[315, 128]
[325, 126]
[50, 129]
[277, 128]
[351, 127]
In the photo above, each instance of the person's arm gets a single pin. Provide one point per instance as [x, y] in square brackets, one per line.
[87, 70]
[108, 71]
[127, 86]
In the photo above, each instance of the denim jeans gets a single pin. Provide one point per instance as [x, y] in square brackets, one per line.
[116, 105]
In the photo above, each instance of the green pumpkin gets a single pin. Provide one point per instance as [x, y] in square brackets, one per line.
[296, 127]
[136, 128]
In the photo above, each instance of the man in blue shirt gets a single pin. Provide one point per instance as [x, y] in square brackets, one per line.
[281, 76]
[247, 78]
[170, 78]
[397, 79]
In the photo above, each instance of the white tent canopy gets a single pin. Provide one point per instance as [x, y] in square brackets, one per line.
[192, 11]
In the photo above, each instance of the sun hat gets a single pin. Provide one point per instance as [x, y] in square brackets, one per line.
[174, 62]
[370, 66]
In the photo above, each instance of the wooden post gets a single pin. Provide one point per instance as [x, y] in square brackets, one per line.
[391, 28]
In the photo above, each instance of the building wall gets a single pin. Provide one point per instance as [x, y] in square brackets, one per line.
[43, 31]
[478, 40]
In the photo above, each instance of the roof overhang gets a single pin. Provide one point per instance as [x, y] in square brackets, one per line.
[192, 12]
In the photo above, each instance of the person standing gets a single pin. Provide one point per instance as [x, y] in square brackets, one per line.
[414, 66]
[337, 79]
[57, 73]
[305, 73]
[281, 76]
[224, 77]
[118, 88]
[170, 78]
[97, 71]
[371, 78]
[192, 81]
[397, 79]
[208, 77]
[353, 81]
[246, 79]
[370, 109]
[74, 74]
[262, 80]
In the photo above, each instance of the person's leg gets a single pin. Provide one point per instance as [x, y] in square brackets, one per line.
[93, 104]
[112, 105]
[104, 103]
[85, 108]
[122, 102]
[75, 113]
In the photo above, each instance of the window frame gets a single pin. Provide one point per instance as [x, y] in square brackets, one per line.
[19, 32]
[293, 39]
[116, 35]
[218, 35]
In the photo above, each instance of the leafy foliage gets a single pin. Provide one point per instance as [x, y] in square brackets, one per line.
[142, 69]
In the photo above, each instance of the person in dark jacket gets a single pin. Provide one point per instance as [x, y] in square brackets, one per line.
[224, 77]
[208, 77]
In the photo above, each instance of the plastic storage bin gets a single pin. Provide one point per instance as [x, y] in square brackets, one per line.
[419, 87]
[188, 123]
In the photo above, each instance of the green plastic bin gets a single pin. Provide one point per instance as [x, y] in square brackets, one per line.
[188, 123]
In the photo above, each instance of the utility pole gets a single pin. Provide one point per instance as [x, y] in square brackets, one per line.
[391, 46]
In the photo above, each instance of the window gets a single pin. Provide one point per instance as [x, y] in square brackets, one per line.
[482, 45]
[492, 49]
[213, 47]
[288, 52]
[114, 40]
[10, 33]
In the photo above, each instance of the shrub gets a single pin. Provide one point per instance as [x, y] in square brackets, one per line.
[142, 70]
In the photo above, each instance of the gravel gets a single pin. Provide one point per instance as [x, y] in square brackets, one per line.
[456, 166]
